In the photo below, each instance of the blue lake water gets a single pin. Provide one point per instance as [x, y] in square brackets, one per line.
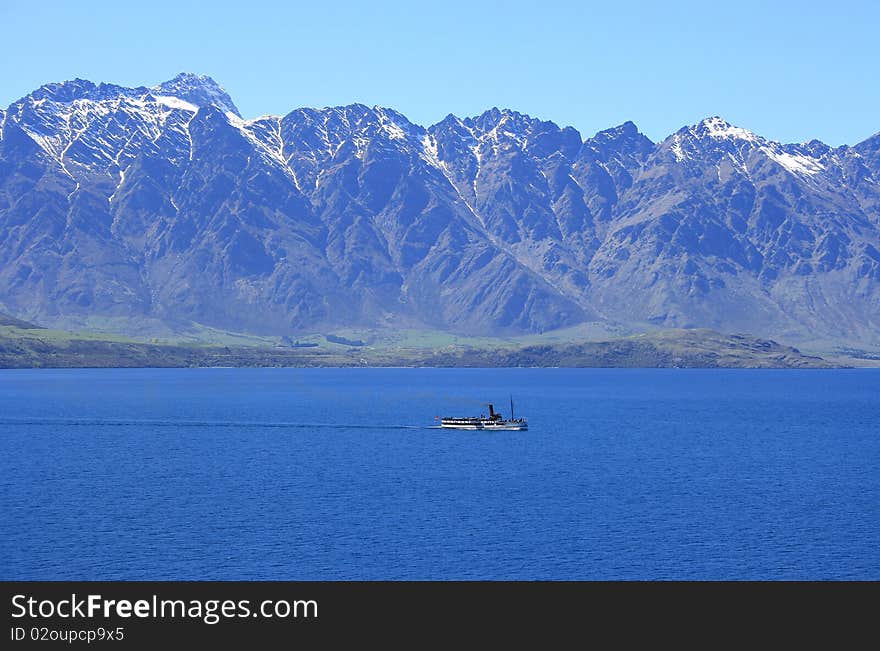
[336, 474]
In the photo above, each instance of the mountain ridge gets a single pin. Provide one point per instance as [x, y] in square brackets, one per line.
[163, 205]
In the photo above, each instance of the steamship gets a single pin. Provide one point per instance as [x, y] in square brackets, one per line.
[494, 421]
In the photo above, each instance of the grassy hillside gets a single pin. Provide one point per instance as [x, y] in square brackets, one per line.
[34, 348]
[666, 349]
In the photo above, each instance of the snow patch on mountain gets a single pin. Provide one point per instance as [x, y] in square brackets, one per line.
[388, 125]
[176, 103]
[677, 150]
[431, 154]
[795, 163]
[269, 148]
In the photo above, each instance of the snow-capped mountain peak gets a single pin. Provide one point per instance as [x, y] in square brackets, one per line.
[719, 128]
[199, 90]
[84, 126]
[715, 139]
[713, 134]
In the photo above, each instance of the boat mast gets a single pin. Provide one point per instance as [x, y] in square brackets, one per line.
[511, 407]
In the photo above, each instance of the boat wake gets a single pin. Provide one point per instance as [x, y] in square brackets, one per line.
[99, 422]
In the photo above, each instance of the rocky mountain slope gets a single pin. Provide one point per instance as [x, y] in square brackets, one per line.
[150, 208]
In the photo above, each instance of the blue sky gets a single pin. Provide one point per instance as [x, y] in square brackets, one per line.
[791, 71]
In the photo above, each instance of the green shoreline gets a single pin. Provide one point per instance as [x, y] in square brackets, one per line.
[40, 348]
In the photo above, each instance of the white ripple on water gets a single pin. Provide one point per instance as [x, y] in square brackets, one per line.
[101, 422]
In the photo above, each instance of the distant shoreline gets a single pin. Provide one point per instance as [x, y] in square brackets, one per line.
[475, 368]
[670, 349]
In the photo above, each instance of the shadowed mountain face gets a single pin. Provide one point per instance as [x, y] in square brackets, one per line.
[161, 206]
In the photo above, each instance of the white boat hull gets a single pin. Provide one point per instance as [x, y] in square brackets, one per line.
[494, 421]
[500, 427]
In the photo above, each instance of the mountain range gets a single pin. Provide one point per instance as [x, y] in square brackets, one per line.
[157, 208]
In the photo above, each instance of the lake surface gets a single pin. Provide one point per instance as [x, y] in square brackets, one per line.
[337, 474]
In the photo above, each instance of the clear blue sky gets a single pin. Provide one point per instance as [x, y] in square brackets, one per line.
[788, 70]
